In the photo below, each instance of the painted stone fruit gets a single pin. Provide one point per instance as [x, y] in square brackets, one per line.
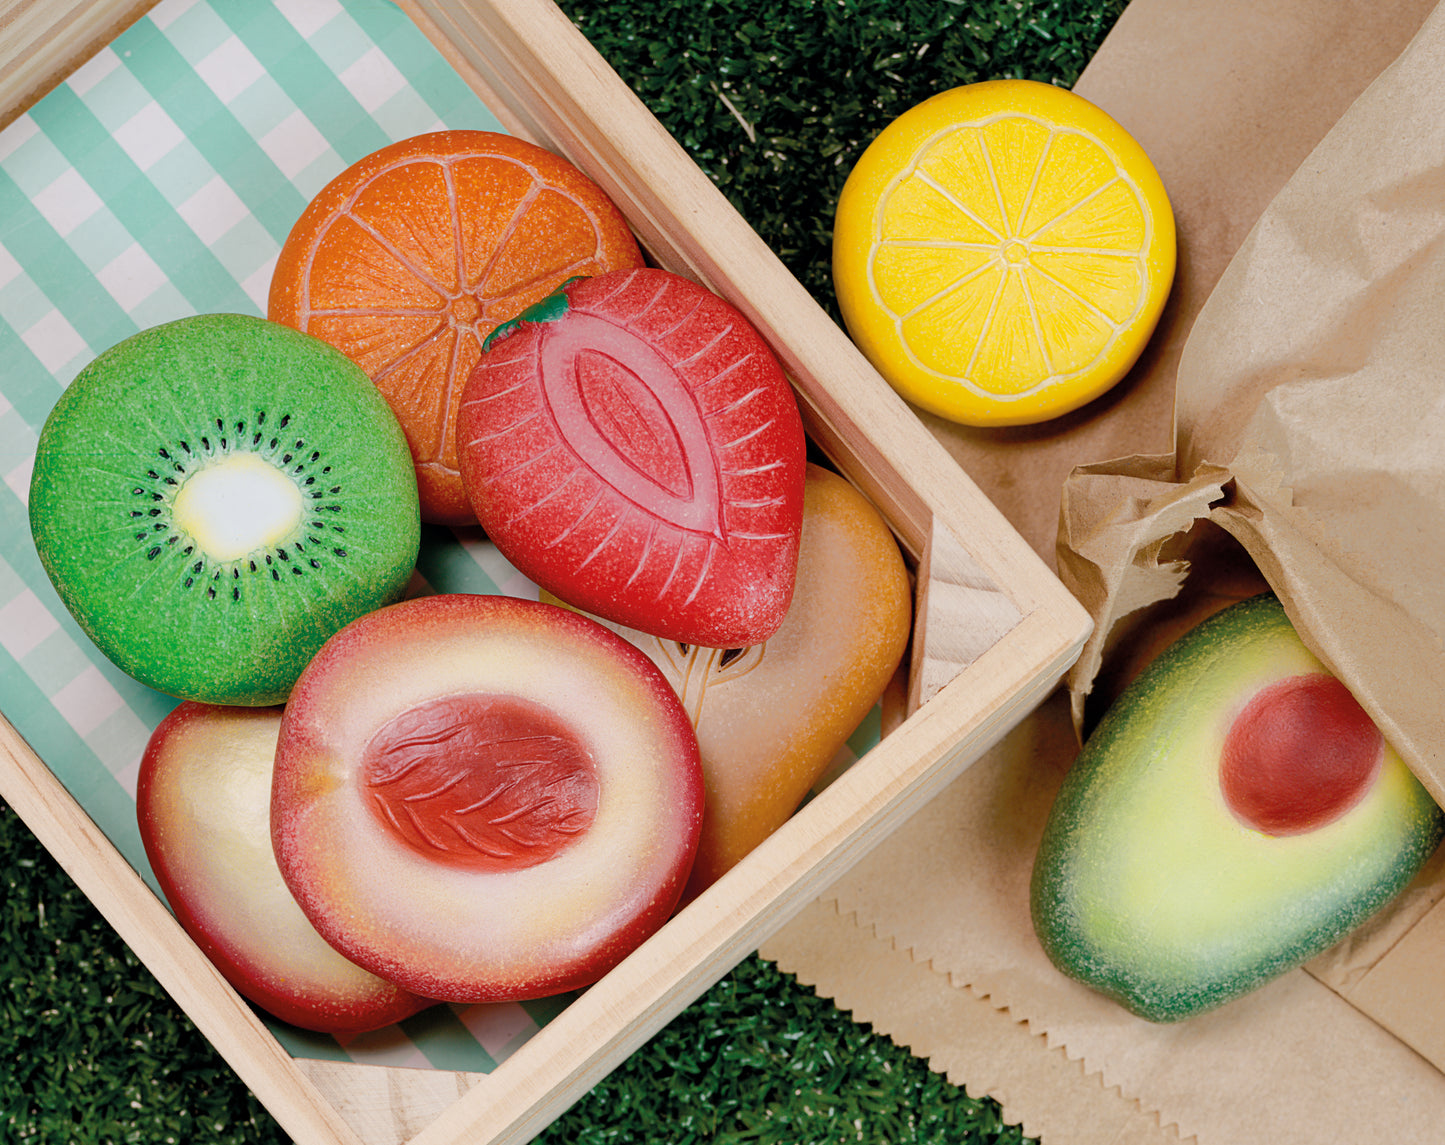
[771, 718]
[1234, 813]
[409, 258]
[214, 497]
[203, 802]
[633, 447]
[1002, 252]
[484, 798]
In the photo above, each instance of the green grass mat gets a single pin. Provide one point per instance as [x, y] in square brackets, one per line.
[775, 101]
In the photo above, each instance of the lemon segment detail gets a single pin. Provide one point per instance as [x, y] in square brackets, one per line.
[1002, 252]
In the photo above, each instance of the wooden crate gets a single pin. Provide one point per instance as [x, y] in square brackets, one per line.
[994, 630]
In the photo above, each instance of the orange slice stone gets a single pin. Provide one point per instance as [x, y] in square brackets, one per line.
[409, 258]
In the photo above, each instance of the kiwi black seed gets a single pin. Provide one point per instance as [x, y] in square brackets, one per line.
[215, 497]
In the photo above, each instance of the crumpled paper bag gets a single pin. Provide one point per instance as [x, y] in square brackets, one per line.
[1310, 427]
[1310, 420]
[1310, 416]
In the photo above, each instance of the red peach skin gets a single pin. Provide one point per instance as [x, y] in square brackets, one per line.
[203, 802]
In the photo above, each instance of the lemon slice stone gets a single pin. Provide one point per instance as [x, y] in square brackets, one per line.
[1002, 252]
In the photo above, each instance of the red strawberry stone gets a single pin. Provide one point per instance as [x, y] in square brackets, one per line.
[632, 446]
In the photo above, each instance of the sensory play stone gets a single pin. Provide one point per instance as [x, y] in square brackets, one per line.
[1234, 813]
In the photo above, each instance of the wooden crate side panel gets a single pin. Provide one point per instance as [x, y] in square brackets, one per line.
[702, 943]
[43, 41]
[530, 55]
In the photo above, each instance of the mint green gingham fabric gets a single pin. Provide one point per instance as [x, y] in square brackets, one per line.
[158, 181]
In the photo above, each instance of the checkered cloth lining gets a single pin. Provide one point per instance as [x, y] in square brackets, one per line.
[160, 181]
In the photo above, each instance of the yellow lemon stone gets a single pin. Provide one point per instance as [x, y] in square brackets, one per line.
[1002, 252]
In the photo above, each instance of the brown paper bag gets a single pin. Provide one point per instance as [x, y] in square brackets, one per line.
[1310, 426]
[1307, 411]
[1310, 418]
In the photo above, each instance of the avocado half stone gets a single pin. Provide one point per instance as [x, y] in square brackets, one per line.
[1233, 814]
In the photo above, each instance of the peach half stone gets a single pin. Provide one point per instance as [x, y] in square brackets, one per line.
[485, 798]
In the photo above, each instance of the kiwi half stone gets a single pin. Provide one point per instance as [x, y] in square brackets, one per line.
[214, 497]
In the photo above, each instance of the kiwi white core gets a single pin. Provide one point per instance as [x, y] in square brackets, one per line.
[237, 504]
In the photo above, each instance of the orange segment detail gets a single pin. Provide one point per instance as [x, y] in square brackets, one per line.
[407, 260]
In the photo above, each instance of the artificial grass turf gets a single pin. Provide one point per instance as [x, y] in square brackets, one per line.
[95, 1053]
[775, 101]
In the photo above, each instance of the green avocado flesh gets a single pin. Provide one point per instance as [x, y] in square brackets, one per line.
[214, 497]
[1160, 885]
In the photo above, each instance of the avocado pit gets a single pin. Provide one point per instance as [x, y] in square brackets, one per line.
[1300, 754]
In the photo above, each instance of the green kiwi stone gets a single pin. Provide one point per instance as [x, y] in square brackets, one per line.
[215, 497]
